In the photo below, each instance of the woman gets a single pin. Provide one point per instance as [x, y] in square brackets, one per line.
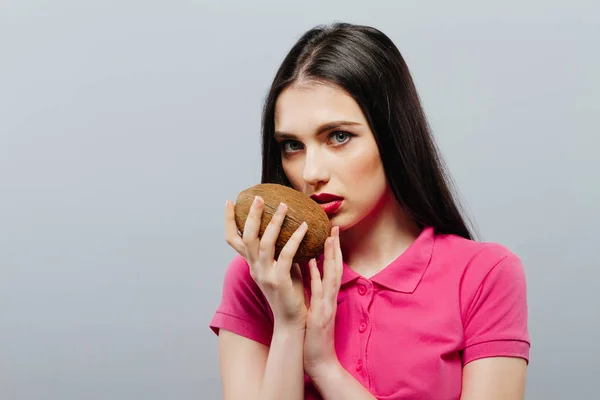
[403, 303]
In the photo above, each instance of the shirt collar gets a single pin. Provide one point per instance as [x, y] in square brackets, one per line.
[401, 275]
[405, 272]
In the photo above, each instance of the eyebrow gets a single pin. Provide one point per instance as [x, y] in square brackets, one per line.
[323, 128]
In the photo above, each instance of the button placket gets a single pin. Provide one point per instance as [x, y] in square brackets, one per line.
[359, 365]
[362, 327]
[362, 290]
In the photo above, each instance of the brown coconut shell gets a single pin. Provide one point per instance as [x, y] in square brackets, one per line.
[300, 208]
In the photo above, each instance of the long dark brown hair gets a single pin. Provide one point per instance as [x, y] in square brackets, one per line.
[366, 64]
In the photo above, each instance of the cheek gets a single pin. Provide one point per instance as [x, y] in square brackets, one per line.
[293, 171]
[364, 167]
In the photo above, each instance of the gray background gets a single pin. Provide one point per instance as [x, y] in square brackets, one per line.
[124, 126]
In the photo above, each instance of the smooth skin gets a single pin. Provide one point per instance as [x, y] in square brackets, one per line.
[327, 146]
[250, 370]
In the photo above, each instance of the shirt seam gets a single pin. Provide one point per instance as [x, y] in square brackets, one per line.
[233, 316]
[483, 281]
[497, 340]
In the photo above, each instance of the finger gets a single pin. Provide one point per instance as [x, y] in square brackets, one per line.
[288, 251]
[316, 285]
[232, 236]
[333, 231]
[252, 228]
[269, 237]
[339, 261]
[329, 272]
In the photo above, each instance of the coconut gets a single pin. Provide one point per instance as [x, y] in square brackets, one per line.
[300, 208]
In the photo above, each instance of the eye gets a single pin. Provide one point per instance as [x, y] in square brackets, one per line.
[340, 137]
[290, 146]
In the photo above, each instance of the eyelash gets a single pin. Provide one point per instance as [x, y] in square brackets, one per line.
[348, 134]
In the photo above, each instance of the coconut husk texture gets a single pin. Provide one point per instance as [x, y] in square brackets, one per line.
[300, 208]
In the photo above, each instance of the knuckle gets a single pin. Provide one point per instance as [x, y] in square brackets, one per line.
[254, 274]
[255, 270]
[265, 245]
[272, 284]
[251, 219]
[255, 211]
[267, 283]
[284, 258]
[289, 250]
[247, 239]
[277, 218]
[272, 227]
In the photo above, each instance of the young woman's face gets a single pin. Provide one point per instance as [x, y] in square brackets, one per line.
[327, 147]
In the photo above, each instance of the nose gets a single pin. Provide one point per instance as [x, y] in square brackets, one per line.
[315, 171]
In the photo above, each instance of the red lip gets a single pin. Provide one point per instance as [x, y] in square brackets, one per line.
[325, 197]
[332, 207]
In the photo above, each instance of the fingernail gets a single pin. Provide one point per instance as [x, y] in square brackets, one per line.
[281, 207]
[304, 225]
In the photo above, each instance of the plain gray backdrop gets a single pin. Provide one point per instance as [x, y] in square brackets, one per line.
[125, 125]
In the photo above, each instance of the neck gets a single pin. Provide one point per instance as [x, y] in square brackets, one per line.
[380, 238]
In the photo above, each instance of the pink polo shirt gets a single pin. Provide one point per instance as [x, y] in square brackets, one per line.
[406, 332]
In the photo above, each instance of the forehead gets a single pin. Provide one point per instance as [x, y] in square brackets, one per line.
[303, 108]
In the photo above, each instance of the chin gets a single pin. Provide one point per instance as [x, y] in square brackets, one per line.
[335, 220]
[343, 221]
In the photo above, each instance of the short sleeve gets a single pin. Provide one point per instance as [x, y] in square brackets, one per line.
[495, 323]
[243, 308]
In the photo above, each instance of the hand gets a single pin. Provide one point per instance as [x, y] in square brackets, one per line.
[319, 347]
[280, 280]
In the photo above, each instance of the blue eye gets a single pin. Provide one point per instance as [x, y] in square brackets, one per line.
[341, 137]
[291, 146]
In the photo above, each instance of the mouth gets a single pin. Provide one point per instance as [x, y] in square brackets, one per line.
[332, 207]
[330, 203]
